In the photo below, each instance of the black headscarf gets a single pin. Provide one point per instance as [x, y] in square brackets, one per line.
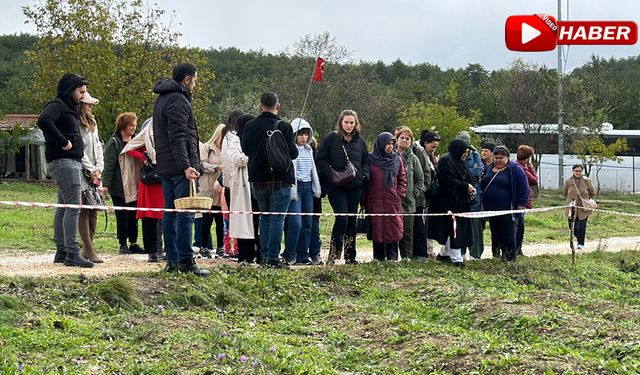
[456, 149]
[389, 163]
[66, 85]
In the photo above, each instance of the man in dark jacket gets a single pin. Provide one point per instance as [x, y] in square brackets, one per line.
[63, 151]
[178, 162]
[271, 189]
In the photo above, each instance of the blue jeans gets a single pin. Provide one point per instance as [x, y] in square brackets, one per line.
[176, 227]
[67, 174]
[315, 243]
[296, 243]
[271, 199]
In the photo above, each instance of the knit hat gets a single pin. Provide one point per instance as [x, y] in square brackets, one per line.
[524, 152]
[488, 145]
[465, 136]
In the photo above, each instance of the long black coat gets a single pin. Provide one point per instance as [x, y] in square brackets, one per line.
[454, 179]
[174, 129]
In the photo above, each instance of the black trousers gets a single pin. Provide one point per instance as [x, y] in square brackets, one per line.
[248, 248]
[150, 235]
[385, 251]
[343, 234]
[503, 229]
[580, 230]
[205, 227]
[419, 234]
[126, 221]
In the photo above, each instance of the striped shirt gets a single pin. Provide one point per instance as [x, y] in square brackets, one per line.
[304, 164]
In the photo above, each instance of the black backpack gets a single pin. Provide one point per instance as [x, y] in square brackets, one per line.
[277, 151]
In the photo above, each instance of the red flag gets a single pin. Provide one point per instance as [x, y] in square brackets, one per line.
[317, 76]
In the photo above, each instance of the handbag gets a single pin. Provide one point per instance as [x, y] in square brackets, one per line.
[589, 203]
[363, 224]
[92, 197]
[343, 178]
[149, 173]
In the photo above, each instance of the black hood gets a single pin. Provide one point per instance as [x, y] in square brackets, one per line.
[168, 85]
[457, 147]
[66, 85]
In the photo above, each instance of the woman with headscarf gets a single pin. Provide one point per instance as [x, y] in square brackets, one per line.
[456, 193]
[386, 188]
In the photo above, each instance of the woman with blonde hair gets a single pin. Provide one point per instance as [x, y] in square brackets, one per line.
[338, 150]
[92, 166]
[210, 153]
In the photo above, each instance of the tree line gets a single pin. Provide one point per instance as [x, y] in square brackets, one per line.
[123, 48]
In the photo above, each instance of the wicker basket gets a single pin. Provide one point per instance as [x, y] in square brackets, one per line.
[192, 202]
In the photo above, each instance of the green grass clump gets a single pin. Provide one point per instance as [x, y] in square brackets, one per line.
[116, 292]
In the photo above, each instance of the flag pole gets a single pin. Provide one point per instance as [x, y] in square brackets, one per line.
[304, 104]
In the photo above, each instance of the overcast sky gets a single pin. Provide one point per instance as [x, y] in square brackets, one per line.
[448, 33]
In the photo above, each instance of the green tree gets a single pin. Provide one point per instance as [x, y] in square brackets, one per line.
[529, 96]
[121, 46]
[441, 118]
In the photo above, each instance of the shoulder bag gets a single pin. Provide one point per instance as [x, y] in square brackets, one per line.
[588, 203]
[343, 178]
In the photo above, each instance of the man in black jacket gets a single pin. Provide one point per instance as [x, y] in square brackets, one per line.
[271, 189]
[63, 151]
[178, 162]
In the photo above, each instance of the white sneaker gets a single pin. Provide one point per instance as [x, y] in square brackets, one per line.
[580, 247]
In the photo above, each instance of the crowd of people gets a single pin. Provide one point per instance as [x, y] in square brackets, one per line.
[244, 169]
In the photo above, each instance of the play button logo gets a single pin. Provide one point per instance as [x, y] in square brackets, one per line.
[531, 33]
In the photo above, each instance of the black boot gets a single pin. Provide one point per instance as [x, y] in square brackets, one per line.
[60, 256]
[189, 265]
[76, 260]
[153, 258]
[172, 267]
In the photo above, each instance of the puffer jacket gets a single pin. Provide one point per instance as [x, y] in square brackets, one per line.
[174, 129]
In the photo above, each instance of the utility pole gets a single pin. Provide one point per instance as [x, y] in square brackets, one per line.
[560, 111]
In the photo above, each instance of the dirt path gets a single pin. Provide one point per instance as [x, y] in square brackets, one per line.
[13, 263]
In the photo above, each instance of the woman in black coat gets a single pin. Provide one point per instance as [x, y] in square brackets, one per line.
[344, 199]
[454, 194]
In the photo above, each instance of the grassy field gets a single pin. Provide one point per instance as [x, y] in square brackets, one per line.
[30, 229]
[541, 316]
